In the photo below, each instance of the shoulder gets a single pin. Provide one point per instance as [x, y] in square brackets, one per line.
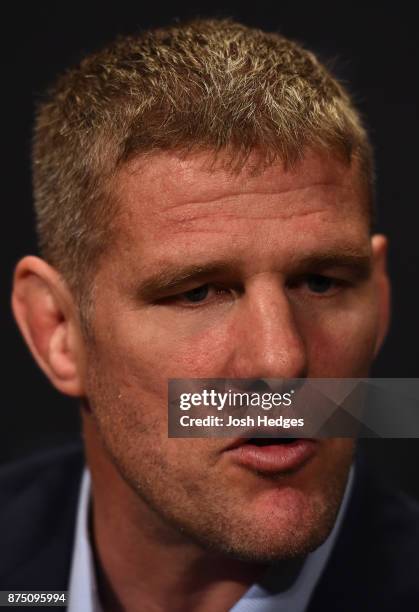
[375, 563]
[42, 468]
[38, 502]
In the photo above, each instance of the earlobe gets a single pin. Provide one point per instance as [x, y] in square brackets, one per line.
[379, 251]
[41, 304]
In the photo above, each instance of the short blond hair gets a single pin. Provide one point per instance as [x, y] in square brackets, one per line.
[212, 84]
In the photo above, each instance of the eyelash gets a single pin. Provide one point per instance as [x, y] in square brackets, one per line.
[178, 298]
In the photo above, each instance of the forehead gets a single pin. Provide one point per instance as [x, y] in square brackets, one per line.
[168, 200]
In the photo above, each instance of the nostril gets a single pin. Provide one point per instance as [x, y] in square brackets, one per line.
[264, 385]
[256, 385]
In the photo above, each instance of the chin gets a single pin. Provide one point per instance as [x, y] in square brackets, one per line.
[278, 526]
[268, 545]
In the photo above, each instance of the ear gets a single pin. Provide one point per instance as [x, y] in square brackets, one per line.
[382, 283]
[47, 317]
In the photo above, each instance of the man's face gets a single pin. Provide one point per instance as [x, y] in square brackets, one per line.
[268, 275]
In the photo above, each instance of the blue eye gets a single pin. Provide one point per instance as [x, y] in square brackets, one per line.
[198, 294]
[319, 284]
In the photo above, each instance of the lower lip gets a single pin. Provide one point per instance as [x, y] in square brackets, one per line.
[274, 458]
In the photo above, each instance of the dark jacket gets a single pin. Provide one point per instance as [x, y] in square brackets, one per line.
[374, 566]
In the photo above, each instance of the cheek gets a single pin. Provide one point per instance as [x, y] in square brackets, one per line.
[134, 356]
[343, 345]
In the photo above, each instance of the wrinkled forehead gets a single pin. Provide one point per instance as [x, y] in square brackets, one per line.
[169, 178]
[169, 194]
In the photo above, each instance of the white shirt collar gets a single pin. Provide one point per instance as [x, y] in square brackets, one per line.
[83, 588]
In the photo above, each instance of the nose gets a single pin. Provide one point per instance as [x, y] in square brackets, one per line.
[265, 339]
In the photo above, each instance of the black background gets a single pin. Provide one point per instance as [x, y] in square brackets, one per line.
[374, 50]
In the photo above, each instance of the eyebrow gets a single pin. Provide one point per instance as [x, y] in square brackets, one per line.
[358, 263]
[173, 277]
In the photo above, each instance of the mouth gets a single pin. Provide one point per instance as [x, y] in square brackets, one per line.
[270, 441]
[272, 455]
